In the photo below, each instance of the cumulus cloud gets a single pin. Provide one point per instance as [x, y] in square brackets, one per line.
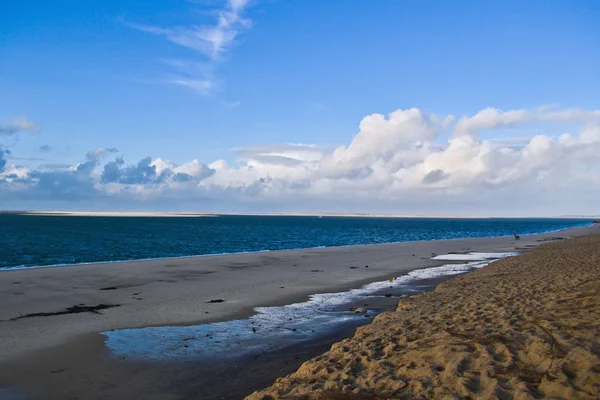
[381, 142]
[395, 163]
[141, 173]
[213, 41]
[148, 171]
[49, 183]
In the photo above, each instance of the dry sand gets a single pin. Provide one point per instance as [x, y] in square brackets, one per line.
[525, 327]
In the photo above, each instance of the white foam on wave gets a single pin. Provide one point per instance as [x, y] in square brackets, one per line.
[330, 300]
[290, 323]
[473, 256]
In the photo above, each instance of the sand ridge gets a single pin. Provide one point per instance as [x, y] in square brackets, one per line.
[525, 327]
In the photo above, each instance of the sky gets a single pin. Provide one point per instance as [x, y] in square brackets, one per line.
[372, 106]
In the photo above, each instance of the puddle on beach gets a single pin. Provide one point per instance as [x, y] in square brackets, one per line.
[11, 394]
[273, 328]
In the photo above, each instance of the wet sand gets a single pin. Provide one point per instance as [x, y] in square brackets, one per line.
[524, 327]
[84, 368]
[59, 353]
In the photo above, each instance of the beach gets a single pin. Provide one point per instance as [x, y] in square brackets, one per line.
[52, 318]
[523, 327]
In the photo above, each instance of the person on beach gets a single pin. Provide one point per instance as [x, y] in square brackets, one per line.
[517, 237]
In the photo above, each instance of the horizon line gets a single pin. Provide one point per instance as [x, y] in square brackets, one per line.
[288, 214]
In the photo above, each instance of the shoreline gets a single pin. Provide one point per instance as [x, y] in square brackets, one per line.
[226, 377]
[319, 313]
[205, 271]
[177, 292]
[522, 327]
[93, 263]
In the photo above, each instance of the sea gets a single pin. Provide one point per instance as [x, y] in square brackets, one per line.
[29, 241]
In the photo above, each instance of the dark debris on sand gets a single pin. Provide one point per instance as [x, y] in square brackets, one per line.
[80, 308]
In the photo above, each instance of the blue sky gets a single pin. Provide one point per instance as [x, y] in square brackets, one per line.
[164, 80]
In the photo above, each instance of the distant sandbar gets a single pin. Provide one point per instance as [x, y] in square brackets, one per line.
[207, 214]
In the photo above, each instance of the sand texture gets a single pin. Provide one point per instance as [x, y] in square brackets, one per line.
[525, 327]
[50, 319]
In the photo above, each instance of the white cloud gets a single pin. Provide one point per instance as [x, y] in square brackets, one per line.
[232, 104]
[161, 165]
[379, 142]
[491, 118]
[22, 123]
[446, 122]
[394, 162]
[571, 114]
[201, 86]
[292, 153]
[213, 41]
[192, 168]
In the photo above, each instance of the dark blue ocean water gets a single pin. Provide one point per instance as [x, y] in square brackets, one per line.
[27, 241]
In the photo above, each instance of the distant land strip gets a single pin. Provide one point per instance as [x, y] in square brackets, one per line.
[216, 214]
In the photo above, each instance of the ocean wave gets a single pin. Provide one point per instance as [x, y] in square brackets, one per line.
[22, 266]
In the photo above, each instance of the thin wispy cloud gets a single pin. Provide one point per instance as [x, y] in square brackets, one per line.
[19, 124]
[100, 152]
[201, 86]
[492, 118]
[212, 41]
[232, 104]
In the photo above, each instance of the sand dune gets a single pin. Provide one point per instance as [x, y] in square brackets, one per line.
[526, 327]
